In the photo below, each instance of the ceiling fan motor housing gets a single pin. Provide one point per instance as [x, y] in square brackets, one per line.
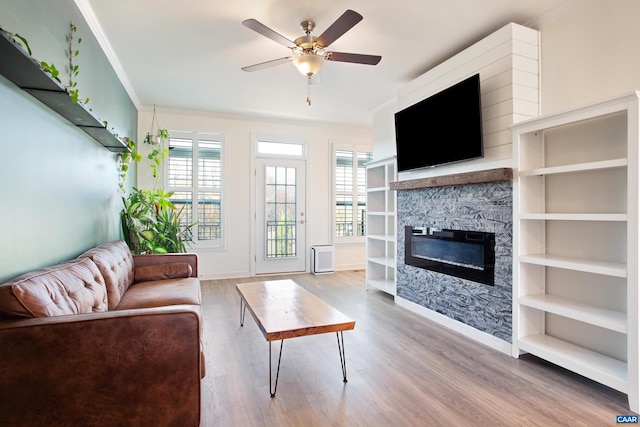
[307, 26]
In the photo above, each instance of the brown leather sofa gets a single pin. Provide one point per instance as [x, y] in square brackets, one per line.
[106, 339]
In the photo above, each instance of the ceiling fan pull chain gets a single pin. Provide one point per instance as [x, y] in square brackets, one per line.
[309, 90]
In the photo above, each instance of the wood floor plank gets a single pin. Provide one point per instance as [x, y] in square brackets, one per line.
[402, 370]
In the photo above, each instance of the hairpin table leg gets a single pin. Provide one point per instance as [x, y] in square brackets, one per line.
[343, 359]
[273, 392]
[243, 310]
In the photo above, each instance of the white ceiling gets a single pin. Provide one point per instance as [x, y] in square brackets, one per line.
[189, 54]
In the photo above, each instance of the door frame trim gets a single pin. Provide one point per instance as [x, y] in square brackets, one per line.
[254, 155]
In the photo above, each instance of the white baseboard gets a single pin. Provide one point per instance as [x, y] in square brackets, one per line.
[226, 275]
[346, 267]
[454, 325]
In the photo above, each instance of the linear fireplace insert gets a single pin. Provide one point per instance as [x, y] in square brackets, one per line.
[466, 254]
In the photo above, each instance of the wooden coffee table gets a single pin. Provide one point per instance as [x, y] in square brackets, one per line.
[282, 309]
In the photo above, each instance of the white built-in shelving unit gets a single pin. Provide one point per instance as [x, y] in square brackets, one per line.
[381, 226]
[576, 242]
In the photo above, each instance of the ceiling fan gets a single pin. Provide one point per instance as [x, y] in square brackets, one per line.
[309, 52]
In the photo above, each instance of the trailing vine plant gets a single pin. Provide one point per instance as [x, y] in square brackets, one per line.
[72, 53]
[125, 159]
[51, 69]
[150, 221]
[158, 154]
[73, 68]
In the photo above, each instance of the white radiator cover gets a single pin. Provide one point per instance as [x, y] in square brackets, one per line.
[322, 259]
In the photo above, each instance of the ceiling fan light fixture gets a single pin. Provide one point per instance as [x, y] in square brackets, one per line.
[308, 63]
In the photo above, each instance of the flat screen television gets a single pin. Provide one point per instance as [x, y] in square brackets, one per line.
[441, 129]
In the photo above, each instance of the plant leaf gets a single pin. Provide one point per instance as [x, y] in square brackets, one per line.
[24, 42]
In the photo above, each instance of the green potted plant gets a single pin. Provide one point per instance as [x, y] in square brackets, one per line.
[151, 223]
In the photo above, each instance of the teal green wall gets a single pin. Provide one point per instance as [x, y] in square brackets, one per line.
[59, 187]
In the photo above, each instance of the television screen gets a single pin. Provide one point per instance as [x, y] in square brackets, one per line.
[443, 128]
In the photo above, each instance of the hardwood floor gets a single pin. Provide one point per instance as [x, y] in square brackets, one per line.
[402, 370]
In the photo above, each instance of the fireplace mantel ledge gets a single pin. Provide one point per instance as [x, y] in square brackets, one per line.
[478, 177]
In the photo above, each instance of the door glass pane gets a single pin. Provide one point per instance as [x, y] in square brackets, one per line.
[280, 212]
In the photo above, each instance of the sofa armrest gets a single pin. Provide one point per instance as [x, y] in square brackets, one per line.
[155, 259]
[130, 367]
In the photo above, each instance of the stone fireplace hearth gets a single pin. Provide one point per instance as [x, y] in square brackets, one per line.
[460, 202]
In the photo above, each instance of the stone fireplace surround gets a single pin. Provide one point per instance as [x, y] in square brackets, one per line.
[478, 201]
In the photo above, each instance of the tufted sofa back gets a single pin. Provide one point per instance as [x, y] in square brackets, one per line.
[115, 262]
[72, 287]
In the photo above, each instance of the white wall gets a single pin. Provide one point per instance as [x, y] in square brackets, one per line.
[384, 136]
[589, 53]
[235, 259]
[59, 186]
[507, 63]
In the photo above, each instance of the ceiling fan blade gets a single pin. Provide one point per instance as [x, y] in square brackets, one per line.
[268, 32]
[353, 57]
[338, 28]
[267, 64]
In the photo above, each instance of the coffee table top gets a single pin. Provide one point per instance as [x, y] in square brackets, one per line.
[283, 309]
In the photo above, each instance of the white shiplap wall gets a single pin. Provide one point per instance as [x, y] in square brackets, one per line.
[508, 63]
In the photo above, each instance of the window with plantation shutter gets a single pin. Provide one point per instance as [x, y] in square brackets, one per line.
[194, 175]
[350, 192]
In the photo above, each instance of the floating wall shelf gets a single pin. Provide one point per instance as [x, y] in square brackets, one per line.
[19, 67]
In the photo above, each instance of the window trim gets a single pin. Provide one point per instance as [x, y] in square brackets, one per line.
[355, 148]
[215, 244]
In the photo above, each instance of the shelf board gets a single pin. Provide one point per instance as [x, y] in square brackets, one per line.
[376, 189]
[378, 213]
[387, 262]
[608, 319]
[386, 285]
[604, 369]
[606, 268]
[578, 167]
[384, 237]
[377, 236]
[614, 217]
[20, 68]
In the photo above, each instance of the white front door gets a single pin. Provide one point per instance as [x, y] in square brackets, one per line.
[280, 216]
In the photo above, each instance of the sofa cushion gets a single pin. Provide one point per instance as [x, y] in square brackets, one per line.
[172, 270]
[159, 293]
[115, 262]
[72, 287]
